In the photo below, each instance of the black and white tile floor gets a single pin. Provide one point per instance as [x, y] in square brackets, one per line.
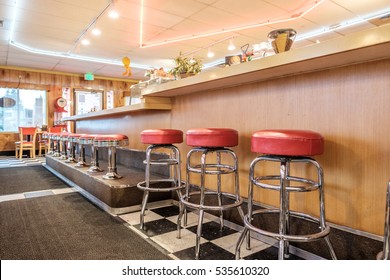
[160, 228]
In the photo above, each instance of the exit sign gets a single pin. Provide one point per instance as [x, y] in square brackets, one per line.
[88, 77]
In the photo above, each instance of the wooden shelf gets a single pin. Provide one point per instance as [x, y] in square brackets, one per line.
[147, 103]
[372, 44]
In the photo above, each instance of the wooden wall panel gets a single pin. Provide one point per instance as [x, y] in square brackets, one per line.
[53, 84]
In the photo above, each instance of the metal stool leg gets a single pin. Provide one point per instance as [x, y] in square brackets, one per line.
[72, 152]
[147, 186]
[64, 150]
[385, 254]
[111, 169]
[94, 160]
[81, 161]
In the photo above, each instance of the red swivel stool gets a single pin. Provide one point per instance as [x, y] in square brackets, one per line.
[63, 142]
[111, 142]
[87, 140]
[73, 142]
[286, 147]
[211, 156]
[161, 140]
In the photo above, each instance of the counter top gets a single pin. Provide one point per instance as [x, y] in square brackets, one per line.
[147, 103]
[368, 45]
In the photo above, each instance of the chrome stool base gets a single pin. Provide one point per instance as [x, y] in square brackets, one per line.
[94, 169]
[283, 186]
[112, 176]
[161, 185]
[203, 169]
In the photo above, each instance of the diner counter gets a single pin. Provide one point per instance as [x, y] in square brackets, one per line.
[339, 88]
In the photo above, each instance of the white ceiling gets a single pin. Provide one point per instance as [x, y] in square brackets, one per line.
[56, 26]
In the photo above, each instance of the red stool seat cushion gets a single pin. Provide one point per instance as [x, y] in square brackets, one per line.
[287, 142]
[212, 137]
[111, 140]
[161, 136]
[74, 137]
[87, 139]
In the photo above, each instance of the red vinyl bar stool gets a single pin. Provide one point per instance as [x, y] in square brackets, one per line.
[88, 140]
[286, 147]
[63, 142]
[385, 254]
[161, 140]
[73, 141]
[111, 142]
[212, 145]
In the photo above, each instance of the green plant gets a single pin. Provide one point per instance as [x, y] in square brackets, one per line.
[186, 65]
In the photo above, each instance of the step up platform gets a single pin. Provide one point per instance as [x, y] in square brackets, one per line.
[114, 196]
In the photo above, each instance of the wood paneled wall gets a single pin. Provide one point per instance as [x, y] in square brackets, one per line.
[53, 84]
[348, 105]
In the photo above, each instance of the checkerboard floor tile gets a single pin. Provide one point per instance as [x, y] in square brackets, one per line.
[161, 228]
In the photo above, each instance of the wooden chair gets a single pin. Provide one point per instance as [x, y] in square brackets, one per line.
[44, 142]
[27, 141]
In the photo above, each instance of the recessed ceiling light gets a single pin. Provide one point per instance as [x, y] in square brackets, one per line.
[113, 14]
[96, 31]
[85, 42]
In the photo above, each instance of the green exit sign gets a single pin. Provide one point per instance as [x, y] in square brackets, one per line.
[88, 77]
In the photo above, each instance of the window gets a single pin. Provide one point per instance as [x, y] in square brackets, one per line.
[22, 107]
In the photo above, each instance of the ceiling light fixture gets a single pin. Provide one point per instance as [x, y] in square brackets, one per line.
[85, 42]
[210, 53]
[96, 31]
[268, 22]
[113, 12]
[231, 46]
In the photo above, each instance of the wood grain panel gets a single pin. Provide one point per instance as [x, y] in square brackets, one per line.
[53, 84]
[347, 105]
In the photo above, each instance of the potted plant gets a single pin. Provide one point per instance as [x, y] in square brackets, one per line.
[185, 66]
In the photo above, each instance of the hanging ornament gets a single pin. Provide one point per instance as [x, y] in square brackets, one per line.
[126, 64]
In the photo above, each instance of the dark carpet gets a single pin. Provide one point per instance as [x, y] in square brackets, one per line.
[67, 227]
[27, 179]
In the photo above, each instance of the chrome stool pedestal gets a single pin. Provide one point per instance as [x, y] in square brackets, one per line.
[81, 162]
[63, 141]
[73, 140]
[286, 147]
[161, 140]
[55, 138]
[211, 145]
[111, 142]
[88, 140]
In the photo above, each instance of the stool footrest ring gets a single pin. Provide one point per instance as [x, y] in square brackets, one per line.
[151, 188]
[310, 184]
[166, 161]
[212, 207]
[295, 238]
[212, 169]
